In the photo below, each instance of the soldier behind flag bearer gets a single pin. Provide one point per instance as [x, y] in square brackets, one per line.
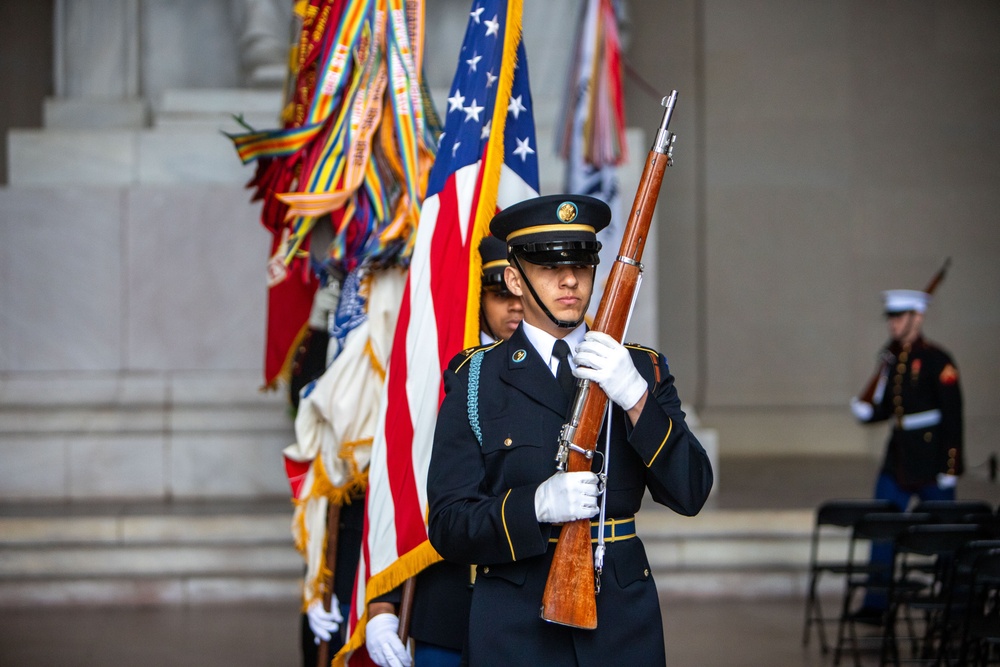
[500, 311]
[443, 592]
[494, 496]
[917, 391]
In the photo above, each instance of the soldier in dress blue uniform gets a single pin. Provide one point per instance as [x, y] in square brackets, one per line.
[494, 496]
[917, 391]
[500, 311]
[443, 592]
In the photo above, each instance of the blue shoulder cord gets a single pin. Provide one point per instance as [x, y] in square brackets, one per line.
[472, 404]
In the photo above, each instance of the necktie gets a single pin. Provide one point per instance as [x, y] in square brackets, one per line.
[564, 373]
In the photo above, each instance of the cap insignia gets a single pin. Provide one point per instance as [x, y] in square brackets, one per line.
[567, 211]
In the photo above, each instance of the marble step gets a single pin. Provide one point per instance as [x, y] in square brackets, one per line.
[204, 552]
[147, 553]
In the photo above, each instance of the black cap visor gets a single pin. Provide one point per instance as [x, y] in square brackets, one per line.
[561, 253]
[494, 282]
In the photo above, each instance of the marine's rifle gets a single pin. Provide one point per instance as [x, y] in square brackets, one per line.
[570, 594]
[867, 394]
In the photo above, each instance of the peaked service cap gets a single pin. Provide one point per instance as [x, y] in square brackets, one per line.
[553, 229]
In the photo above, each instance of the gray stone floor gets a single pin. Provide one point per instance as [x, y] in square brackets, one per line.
[699, 633]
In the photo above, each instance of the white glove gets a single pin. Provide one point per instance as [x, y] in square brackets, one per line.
[566, 496]
[602, 359]
[324, 623]
[946, 481]
[862, 410]
[385, 648]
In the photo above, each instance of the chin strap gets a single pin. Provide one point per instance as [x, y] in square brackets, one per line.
[562, 324]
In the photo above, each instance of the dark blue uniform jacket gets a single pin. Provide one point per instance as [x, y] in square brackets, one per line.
[481, 505]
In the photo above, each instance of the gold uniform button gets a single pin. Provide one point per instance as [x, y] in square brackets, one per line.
[952, 452]
[900, 368]
[508, 442]
[927, 436]
[645, 572]
[897, 400]
[486, 570]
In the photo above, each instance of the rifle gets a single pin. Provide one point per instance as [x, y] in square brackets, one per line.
[332, 532]
[570, 596]
[868, 393]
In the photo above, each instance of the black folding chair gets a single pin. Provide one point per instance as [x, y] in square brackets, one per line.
[863, 576]
[924, 570]
[956, 609]
[834, 520]
[955, 511]
[981, 630]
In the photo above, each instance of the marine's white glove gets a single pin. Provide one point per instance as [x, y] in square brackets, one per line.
[946, 481]
[602, 359]
[385, 648]
[862, 410]
[324, 623]
[566, 496]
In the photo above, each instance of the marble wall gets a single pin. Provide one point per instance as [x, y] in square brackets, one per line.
[836, 150]
[826, 151]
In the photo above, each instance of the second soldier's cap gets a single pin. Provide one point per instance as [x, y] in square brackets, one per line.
[905, 300]
[493, 252]
[554, 229]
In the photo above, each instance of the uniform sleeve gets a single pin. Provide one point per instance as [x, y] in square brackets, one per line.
[467, 522]
[952, 431]
[679, 474]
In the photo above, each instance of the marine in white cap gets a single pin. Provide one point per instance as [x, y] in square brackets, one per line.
[916, 389]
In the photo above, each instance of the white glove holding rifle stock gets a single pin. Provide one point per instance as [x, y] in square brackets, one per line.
[566, 496]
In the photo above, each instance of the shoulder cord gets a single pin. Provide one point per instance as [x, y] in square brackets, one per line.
[472, 398]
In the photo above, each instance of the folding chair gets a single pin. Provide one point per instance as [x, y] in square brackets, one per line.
[862, 576]
[981, 634]
[954, 622]
[955, 511]
[924, 569]
[834, 519]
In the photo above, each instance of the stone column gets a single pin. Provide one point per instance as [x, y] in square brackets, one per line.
[96, 65]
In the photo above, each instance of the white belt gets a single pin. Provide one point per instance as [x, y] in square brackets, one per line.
[920, 420]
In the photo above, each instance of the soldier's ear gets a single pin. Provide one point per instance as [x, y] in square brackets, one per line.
[512, 277]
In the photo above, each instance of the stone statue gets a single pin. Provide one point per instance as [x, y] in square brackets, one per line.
[264, 27]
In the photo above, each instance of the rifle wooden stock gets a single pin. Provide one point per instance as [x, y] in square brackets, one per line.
[569, 597]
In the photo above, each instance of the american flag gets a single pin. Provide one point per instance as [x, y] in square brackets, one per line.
[487, 160]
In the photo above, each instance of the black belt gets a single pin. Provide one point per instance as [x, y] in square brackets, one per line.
[615, 530]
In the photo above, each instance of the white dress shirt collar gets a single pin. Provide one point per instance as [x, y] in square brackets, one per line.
[543, 342]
